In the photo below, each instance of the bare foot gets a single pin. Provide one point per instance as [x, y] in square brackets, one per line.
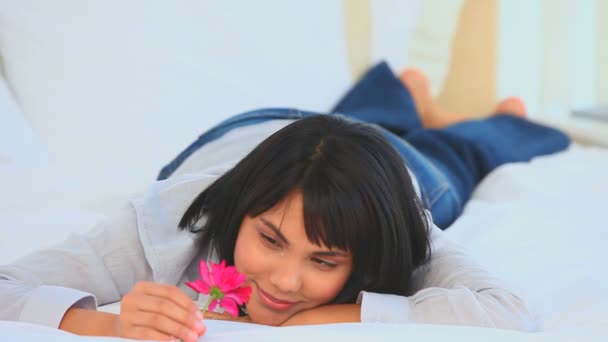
[431, 114]
[419, 87]
[512, 105]
[434, 116]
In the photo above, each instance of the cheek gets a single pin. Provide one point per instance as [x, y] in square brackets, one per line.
[323, 289]
[240, 251]
[247, 255]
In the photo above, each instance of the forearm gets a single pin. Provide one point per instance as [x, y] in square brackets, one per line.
[89, 322]
[42, 305]
[327, 314]
[83, 271]
[454, 289]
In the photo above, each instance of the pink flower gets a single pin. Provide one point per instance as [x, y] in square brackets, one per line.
[223, 284]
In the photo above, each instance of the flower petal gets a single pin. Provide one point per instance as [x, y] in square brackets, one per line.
[238, 280]
[198, 286]
[229, 306]
[240, 295]
[231, 279]
[212, 305]
[203, 270]
[217, 273]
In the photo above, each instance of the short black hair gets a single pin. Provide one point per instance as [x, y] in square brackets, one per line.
[357, 195]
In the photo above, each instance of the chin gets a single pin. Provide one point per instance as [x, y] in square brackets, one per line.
[272, 323]
[260, 315]
[266, 319]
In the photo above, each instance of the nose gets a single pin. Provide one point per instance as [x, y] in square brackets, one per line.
[286, 276]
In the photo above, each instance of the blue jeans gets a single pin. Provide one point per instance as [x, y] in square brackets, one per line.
[448, 163]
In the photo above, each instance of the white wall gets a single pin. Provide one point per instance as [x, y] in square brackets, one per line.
[548, 54]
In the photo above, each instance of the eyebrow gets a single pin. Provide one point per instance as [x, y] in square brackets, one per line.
[276, 230]
[284, 239]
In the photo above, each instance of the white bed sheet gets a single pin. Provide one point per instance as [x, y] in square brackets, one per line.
[539, 225]
[219, 331]
[542, 227]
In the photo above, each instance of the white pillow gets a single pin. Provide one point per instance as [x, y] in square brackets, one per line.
[126, 85]
[18, 144]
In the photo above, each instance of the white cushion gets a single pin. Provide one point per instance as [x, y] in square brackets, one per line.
[18, 144]
[127, 84]
[130, 83]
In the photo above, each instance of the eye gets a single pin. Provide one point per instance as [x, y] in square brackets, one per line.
[269, 241]
[324, 264]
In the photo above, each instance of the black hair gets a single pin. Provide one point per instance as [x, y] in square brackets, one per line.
[357, 196]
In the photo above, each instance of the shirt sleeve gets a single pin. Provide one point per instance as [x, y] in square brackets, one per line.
[452, 289]
[84, 270]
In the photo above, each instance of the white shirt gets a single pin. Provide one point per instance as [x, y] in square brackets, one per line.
[142, 242]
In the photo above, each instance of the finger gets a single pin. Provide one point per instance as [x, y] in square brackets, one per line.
[171, 292]
[166, 326]
[163, 306]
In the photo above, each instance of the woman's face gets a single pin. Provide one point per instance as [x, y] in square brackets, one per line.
[286, 272]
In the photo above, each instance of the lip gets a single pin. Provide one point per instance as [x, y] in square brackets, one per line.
[273, 302]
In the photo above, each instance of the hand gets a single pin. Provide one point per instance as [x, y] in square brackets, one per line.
[326, 314]
[226, 317]
[159, 312]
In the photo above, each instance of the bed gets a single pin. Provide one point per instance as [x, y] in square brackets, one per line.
[97, 97]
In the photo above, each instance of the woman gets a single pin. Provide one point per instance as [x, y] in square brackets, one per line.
[322, 217]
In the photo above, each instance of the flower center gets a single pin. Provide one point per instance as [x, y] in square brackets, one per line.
[215, 292]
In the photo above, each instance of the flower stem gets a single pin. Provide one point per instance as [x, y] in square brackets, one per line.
[207, 305]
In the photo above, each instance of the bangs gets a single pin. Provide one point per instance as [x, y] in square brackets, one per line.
[357, 196]
[267, 192]
[335, 214]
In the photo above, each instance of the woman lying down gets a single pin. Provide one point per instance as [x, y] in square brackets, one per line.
[329, 218]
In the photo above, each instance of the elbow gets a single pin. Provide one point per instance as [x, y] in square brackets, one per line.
[508, 311]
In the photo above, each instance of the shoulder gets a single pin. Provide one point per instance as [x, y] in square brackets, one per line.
[168, 249]
[451, 266]
[176, 193]
[163, 204]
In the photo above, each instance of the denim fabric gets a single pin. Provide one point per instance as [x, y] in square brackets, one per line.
[466, 152]
[450, 162]
[447, 163]
[433, 184]
[241, 120]
[381, 99]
